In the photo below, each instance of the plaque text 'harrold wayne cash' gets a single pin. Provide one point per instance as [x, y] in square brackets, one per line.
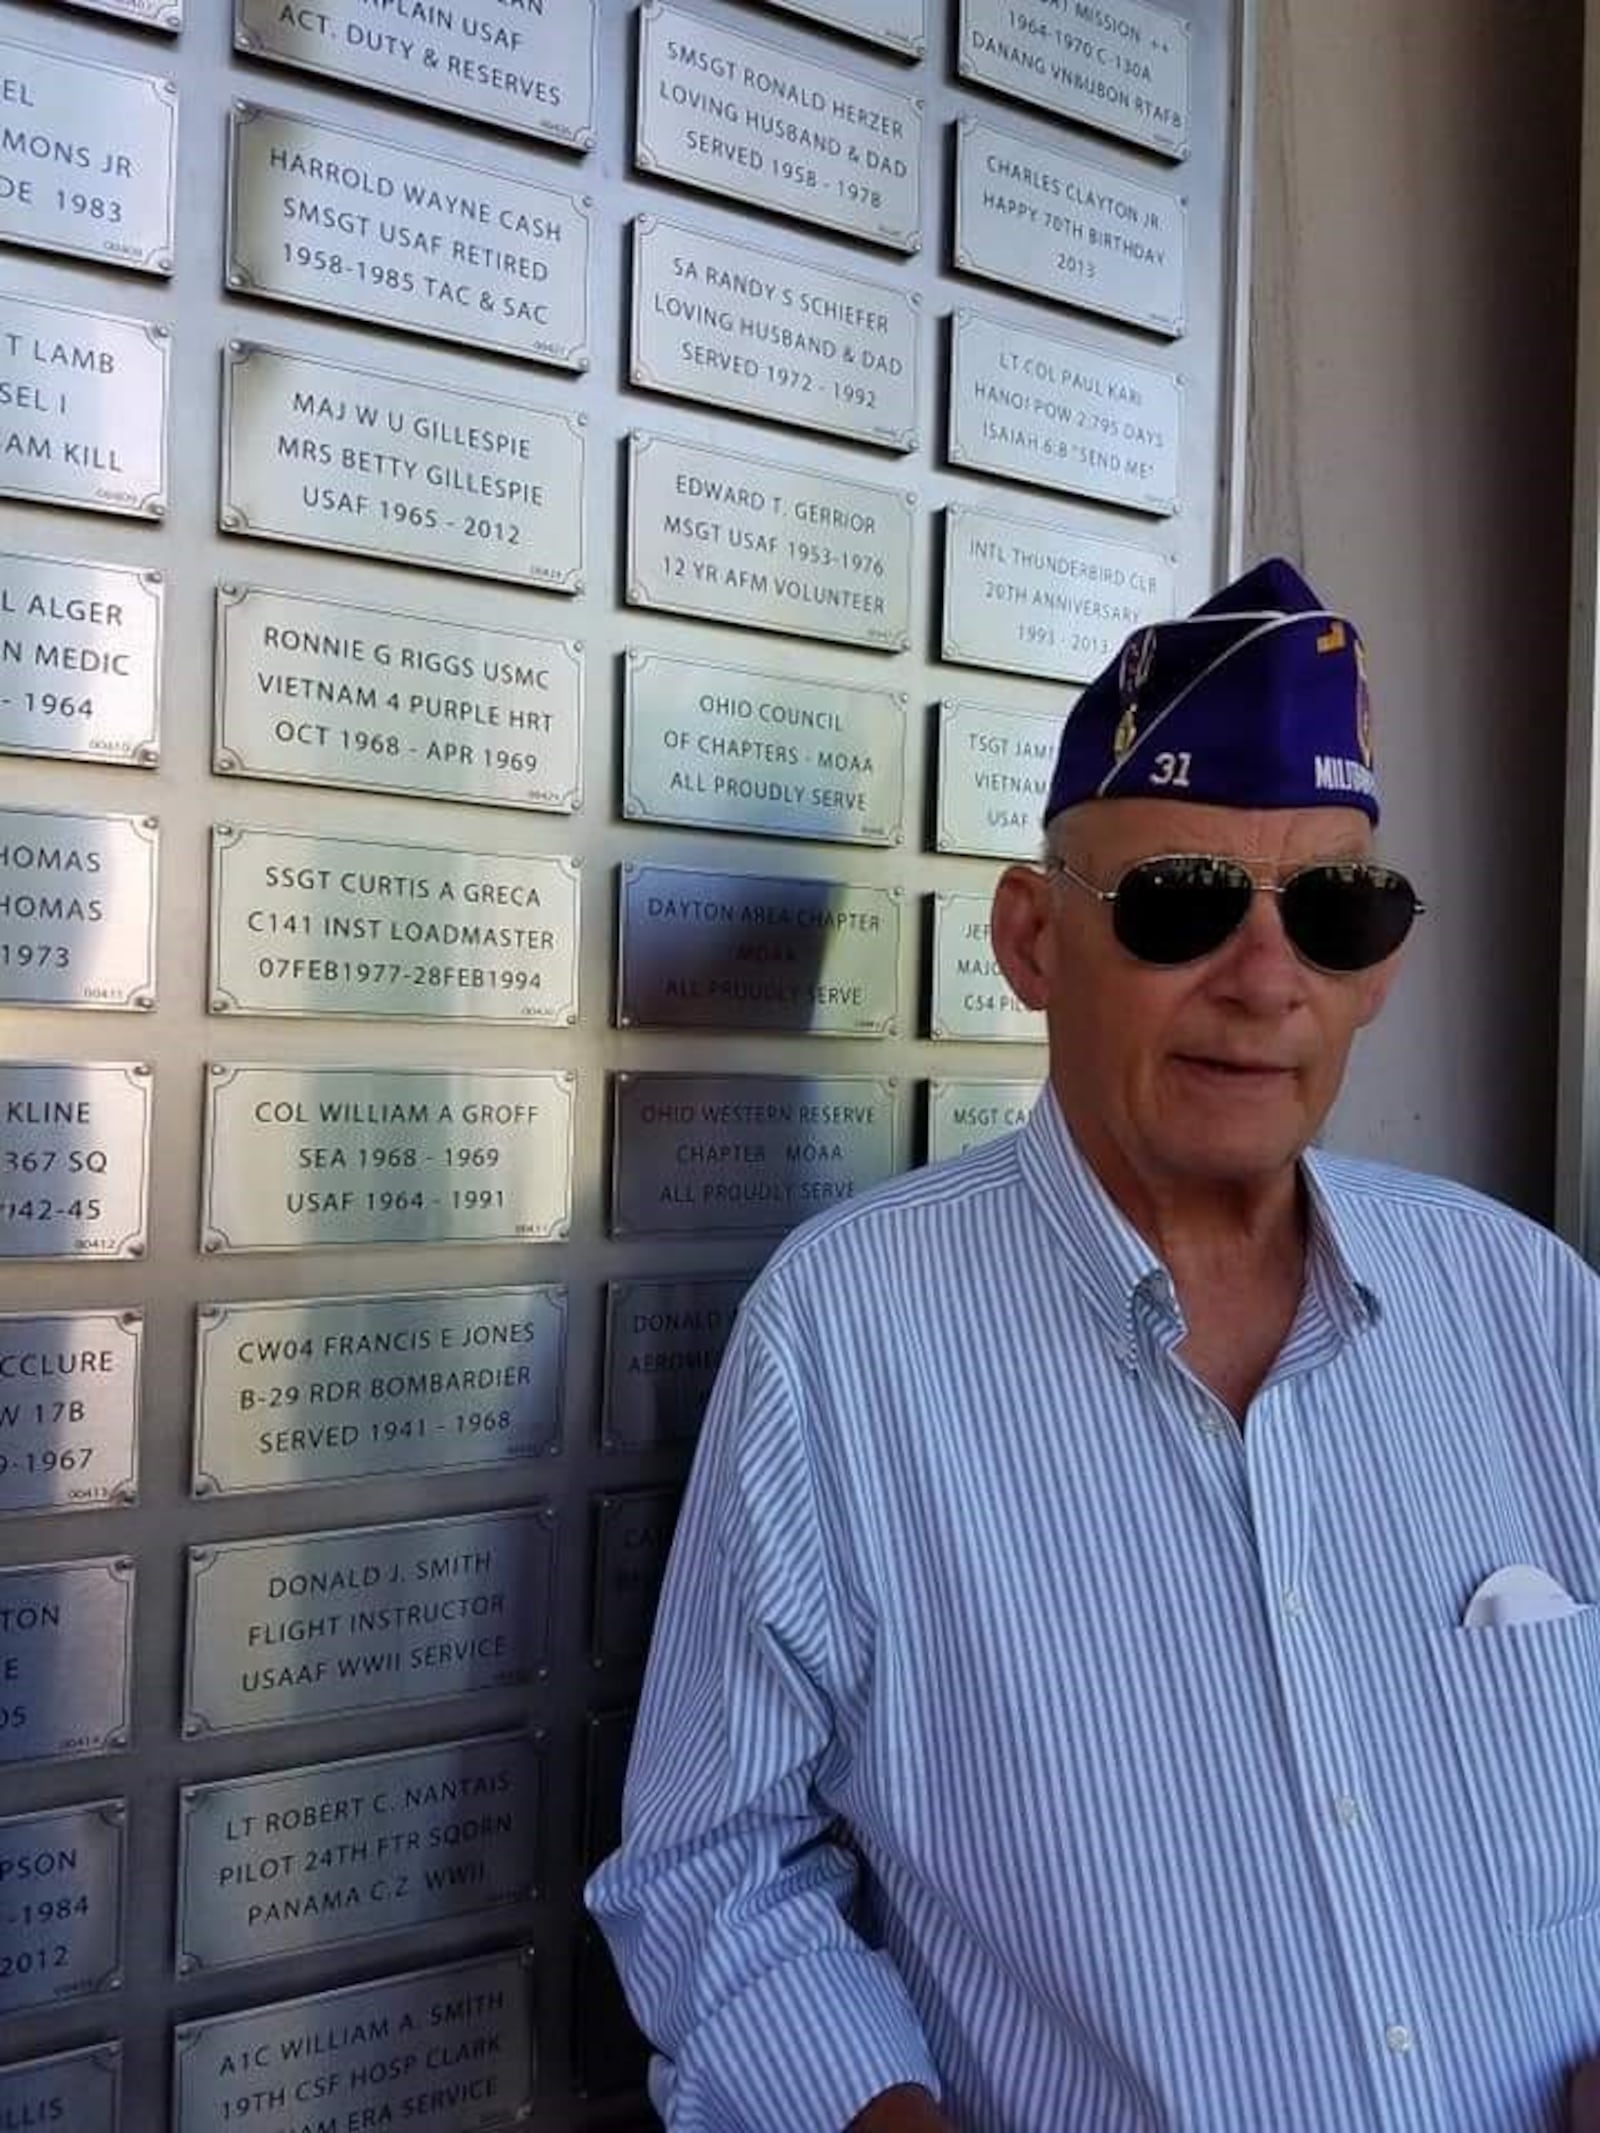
[80, 659]
[83, 409]
[88, 159]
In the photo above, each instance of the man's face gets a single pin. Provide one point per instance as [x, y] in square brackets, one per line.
[1217, 1071]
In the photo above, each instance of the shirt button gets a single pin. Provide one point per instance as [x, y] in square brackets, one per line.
[1397, 2037]
[1293, 1605]
[1348, 1809]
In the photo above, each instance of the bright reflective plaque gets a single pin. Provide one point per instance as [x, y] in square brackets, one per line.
[74, 1160]
[1026, 597]
[1121, 66]
[80, 659]
[77, 909]
[971, 998]
[61, 1895]
[69, 1409]
[66, 1642]
[84, 398]
[993, 779]
[88, 159]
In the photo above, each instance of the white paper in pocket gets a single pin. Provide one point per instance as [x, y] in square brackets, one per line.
[1520, 1593]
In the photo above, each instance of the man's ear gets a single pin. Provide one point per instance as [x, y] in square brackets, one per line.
[1019, 932]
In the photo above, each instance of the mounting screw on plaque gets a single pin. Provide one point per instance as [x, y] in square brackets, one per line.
[187, 1965]
[147, 755]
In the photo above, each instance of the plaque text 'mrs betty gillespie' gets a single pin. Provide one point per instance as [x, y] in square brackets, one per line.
[69, 1410]
[1031, 598]
[61, 1888]
[80, 659]
[66, 1635]
[88, 159]
[1120, 65]
[83, 409]
[74, 1160]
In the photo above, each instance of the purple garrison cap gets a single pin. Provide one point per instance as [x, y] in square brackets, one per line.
[1257, 699]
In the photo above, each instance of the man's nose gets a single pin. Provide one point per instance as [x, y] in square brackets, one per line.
[1257, 967]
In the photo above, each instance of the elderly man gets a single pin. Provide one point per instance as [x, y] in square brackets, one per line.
[1127, 1663]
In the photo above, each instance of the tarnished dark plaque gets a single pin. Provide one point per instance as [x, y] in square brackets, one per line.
[360, 226]
[61, 1897]
[699, 950]
[77, 909]
[297, 1157]
[994, 775]
[632, 1537]
[83, 408]
[324, 692]
[348, 926]
[1033, 407]
[769, 125]
[768, 546]
[80, 659]
[66, 1646]
[329, 456]
[1068, 228]
[69, 1410]
[607, 1739]
[609, 2056]
[527, 68]
[311, 1625]
[776, 755]
[74, 1160]
[726, 1154]
[768, 335]
[88, 159]
[664, 1344]
[902, 25]
[339, 1388]
[79, 2092]
[965, 1114]
[448, 2050]
[345, 1851]
[970, 997]
[1121, 66]
[1025, 597]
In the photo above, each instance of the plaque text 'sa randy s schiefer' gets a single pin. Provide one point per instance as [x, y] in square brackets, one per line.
[970, 996]
[348, 926]
[88, 159]
[993, 778]
[69, 1409]
[370, 1617]
[768, 546]
[444, 2051]
[1030, 598]
[66, 1636]
[368, 229]
[61, 1906]
[80, 659]
[664, 1344]
[77, 909]
[1068, 228]
[337, 1388]
[965, 1114]
[526, 65]
[333, 457]
[768, 335]
[1121, 65]
[761, 122]
[344, 1851]
[902, 25]
[83, 409]
[297, 1157]
[80, 2091]
[74, 1160]
[323, 692]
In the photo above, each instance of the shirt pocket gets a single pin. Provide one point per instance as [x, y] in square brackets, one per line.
[1523, 1705]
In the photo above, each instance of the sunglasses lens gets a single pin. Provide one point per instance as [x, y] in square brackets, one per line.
[1347, 917]
[1177, 909]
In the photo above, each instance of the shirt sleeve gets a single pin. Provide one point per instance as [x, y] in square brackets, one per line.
[726, 1907]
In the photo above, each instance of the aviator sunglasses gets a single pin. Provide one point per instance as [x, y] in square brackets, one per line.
[1339, 916]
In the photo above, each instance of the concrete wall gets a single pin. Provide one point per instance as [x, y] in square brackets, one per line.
[1410, 442]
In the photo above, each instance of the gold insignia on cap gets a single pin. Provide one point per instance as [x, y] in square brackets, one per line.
[1133, 671]
[1332, 638]
[1363, 706]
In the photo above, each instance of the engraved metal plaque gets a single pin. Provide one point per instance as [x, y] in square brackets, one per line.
[79, 2092]
[66, 1645]
[608, 1739]
[766, 546]
[80, 659]
[61, 1892]
[83, 408]
[1030, 598]
[609, 2056]
[529, 69]
[994, 778]
[766, 335]
[77, 909]
[1032, 407]
[69, 1409]
[700, 950]
[339, 1388]
[356, 225]
[971, 999]
[448, 2050]
[343, 1851]
[776, 755]
[349, 926]
[323, 692]
[664, 1346]
[328, 456]
[1122, 66]
[311, 1625]
[74, 1160]
[772, 127]
[965, 1114]
[297, 1157]
[145, 14]
[632, 1539]
[1068, 229]
[902, 25]
[88, 159]
[725, 1154]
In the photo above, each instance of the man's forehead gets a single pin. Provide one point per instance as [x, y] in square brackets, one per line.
[1139, 828]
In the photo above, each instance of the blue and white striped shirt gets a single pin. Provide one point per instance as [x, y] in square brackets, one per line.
[1017, 1725]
